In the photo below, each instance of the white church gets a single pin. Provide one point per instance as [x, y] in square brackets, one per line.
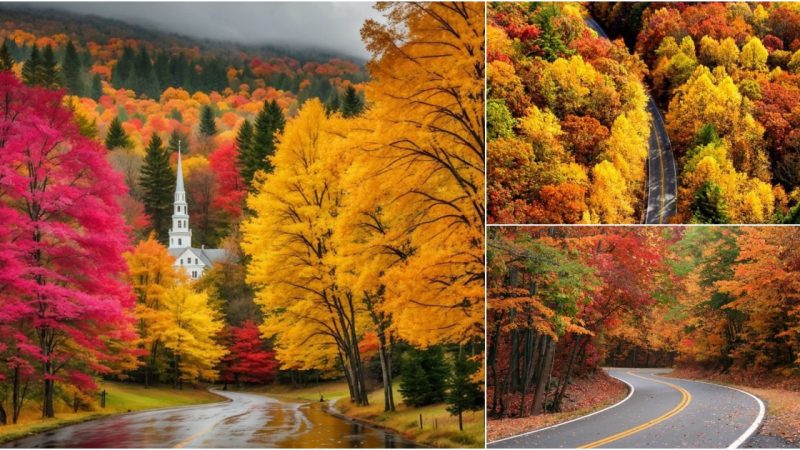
[195, 261]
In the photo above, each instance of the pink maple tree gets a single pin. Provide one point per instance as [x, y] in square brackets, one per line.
[66, 310]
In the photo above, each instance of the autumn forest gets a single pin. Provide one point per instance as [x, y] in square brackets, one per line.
[347, 198]
[569, 115]
[402, 224]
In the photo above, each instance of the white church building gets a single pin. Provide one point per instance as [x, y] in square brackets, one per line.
[195, 261]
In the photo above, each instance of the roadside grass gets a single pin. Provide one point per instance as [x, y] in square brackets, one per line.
[121, 397]
[439, 428]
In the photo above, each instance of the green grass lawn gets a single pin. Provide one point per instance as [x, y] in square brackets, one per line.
[439, 428]
[121, 397]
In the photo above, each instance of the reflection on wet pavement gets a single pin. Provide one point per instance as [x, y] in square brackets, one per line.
[247, 420]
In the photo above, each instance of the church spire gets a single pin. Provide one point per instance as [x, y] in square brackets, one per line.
[179, 181]
[180, 235]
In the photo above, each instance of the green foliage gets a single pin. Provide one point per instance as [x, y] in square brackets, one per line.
[71, 66]
[255, 157]
[793, 215]
[176, 138]
[30, 70]
[708, 205]
[208, 127]
[97, 87]
[463, 394]
[499, 119]
[6, 60]
[352, 104]
[424, 377]
[116, 136]
[49, 74]
[333, 105]
[706, 135]
[549, 40]
[158, 185]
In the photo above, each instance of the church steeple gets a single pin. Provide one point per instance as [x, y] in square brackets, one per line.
[180, 235]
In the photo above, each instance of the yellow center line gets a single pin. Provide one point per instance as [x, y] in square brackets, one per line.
[686, 398]
[191, 438]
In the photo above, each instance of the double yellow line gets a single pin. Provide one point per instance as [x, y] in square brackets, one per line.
[686, 398]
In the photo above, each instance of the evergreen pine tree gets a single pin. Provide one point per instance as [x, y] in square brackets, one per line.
[708, 205]
[122, 72]
[50, 75]
[244, 146]
[414, 383]
[177, 137]
[352, 105]
[793, 215]
[30, 70]
[208, 126]
[116, 136]
[157, 183]
[463, 394]
[97, 87]
[71, 67]
[424, 377]
[268, 122]
[145, 80]
[333, 104]
[6, 60]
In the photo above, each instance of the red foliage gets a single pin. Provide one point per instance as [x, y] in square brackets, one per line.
[248, 360]
[583, 136]
[61, 241]
[231, 190]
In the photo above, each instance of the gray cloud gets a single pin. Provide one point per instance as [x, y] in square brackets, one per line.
[330, 26]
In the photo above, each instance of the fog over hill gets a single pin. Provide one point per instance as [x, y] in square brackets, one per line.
[314, 28]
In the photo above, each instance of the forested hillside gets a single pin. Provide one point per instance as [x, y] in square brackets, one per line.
[564, 301]
[341, 263]
[568, 126]
[568, 132]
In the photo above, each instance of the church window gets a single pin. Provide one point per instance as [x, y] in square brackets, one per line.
[195, 261]
[179, 241]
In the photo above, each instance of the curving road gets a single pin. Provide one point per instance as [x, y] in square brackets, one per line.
[659, 412]
[662, 182]
[246, 420]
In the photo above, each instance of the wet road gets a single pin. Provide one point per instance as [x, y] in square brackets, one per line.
[660, 412]
[662, 178]
[247, 420]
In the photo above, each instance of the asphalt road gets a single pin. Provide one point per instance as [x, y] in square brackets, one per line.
[660, 412]
[662, 182]
[247, 420]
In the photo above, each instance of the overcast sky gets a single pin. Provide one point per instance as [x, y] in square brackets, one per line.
[332, 26]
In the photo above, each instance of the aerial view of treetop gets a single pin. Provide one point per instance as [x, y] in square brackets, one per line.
[630, 112]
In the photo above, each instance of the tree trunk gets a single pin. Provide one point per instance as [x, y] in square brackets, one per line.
[560, 392]
[386, 371]
[544, 378]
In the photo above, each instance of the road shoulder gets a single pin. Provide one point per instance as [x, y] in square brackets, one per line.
[587, 397]
[123, 398]
[780, 427]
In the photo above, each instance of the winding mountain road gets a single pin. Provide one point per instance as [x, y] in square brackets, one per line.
[662, 182]
[659, 412]
[246, 420]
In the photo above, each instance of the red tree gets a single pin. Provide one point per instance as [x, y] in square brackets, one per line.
[248, 360]
[231, 189]
[63, 231]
